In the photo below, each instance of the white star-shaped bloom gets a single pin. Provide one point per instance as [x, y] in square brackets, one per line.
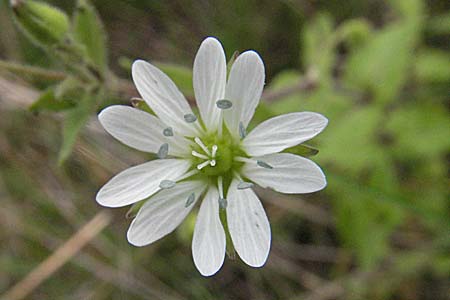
[210, 157]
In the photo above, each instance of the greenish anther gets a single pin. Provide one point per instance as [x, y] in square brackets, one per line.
[190, 200]
[244, 185]
[224, 104]
[223, 203]
[167, 184]
[263, 164]
[168, 131]
[190, 118]
[163, 151]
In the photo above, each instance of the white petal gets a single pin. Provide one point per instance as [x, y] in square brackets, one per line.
[279, 133]
[291, 174]
[140, 182]
[140, 130]
[163, 212]
[208, 243]
[244, 88]
[209, 78]
[248, 225]
[163, 97]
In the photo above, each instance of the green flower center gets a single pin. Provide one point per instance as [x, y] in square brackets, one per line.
[213, 156]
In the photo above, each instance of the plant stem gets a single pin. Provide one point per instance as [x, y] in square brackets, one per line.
[32, 71]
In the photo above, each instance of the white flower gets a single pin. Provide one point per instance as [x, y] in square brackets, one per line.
[210, 157]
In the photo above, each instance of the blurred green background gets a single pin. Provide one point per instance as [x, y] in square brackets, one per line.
[379, 70]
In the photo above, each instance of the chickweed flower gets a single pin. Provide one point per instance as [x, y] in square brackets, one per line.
[209, 157]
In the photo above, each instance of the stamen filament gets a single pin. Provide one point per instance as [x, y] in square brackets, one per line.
[244, 185]
[242, 130]
[188, 174]
[214, 151]
[219, 132]
[220, 186]
[203, 164]
[200, 143]
[244, 159]
[222, 201]
[199, 155]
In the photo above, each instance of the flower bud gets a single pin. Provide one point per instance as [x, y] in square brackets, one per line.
[44, 24]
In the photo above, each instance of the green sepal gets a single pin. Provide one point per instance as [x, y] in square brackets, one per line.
[231, 252]
[44, 24]
[134, 209]
[142, 105]
[231, 61]
[88, 31]
[302, 150]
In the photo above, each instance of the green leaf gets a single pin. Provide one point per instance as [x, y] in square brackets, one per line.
[73, 122]
[439, 24]
[318, 46]
[364, 223]
[48, 101]
[354, 32]
[381, 65]
[409, 10]
[420, 130]
[44, 24]
[89, 32]
[350, 142]
[323, 99]
[433, 66]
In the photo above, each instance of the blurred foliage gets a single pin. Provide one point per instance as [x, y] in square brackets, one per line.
[379, 70]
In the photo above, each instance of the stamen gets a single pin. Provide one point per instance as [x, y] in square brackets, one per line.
[168, 131]
[223, 203]
[190, 118]
[167, 184]
[203, 164]
[200, 143]
[222, 200]
[242, 130]
[187, 175]
[163, 151]
[199, 155]
[190, 200]
[220, 186]
[214, 150]
[244, 159]
[244, 185]
[263, 164]
[224, 104]
[212, 163]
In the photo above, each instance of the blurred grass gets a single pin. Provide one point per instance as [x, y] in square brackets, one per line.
[379, 70]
